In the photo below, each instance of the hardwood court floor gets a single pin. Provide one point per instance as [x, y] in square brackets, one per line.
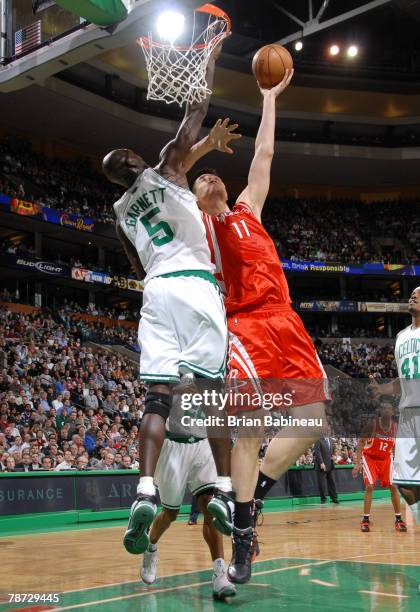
[311, 558]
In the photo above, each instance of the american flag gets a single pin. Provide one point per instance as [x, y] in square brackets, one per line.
[28, 37]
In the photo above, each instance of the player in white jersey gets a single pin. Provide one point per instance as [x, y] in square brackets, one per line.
[407, 447]
[183, 325]
[186, 460]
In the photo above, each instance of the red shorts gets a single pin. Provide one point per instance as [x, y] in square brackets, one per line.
[274, 348]
[377, 468]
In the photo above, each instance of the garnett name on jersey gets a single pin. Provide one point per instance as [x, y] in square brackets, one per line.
[143, 203]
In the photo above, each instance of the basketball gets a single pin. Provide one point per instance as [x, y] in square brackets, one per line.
[269, 65]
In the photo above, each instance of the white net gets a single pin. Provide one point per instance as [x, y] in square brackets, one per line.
[178, 73]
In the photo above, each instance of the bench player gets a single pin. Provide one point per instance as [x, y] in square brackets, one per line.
[183, 326]
[407, 447]
[267, 338]
[374, 458]
[186, 460]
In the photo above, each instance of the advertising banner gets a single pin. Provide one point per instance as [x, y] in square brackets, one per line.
[5, 200]
[81, 274]
[339, 268]
[34, 265]
[28, 495]
[58, 217]
[382, 307]
[77, 222]
[24, 208]
[101, 277]
[34, 493]
[134, 284]
[328, 306]
[120, 282]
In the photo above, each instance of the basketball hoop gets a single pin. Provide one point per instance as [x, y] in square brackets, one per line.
[177, 73]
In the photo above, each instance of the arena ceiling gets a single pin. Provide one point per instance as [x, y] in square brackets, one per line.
[365, 112]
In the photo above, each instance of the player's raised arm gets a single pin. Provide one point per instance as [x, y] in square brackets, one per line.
[218, 139]
[175, 152]
[256, 191]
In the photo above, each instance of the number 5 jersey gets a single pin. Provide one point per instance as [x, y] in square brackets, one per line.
[183, 322]
[164, 224]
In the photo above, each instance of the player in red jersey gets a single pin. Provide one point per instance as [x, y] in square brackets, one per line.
[375, 459]
[268, 341]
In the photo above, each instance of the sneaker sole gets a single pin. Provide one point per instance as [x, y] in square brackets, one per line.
[227, 591]
[217, 511]
[149, 582]
[136, 539]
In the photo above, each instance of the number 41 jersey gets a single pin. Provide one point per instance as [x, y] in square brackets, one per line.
[164, 224]
[407, 356]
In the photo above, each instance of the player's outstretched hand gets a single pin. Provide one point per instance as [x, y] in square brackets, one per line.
[278, 89]
[221, 134]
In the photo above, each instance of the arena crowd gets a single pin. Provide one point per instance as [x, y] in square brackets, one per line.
[65, 404]
[345, 231]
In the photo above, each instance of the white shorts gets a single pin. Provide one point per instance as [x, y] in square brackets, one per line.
[407, 448]
[181, 464]
[182, 329]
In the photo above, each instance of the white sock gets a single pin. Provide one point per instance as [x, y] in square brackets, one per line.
[219, 566]
[224, 483]
[152, 547]
[146, 486]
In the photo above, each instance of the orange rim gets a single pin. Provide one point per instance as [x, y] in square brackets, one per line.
[145, 41]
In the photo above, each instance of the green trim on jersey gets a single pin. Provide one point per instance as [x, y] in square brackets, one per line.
[159, 377]
[168, 507]
[180, 440]
[198, 273]
[203, 372]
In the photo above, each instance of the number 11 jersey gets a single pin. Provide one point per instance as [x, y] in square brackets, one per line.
[247, 264]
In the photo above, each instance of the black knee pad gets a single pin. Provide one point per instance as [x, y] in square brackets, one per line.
[158, 403]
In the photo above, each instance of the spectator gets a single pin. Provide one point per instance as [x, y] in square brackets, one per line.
[107, 463]
[344, 459]
[57, 403]
[46, 464]
[324, 466]
[82, 463]
[126, 463]
[91, 401]
[25, 465]
[17, 445]
[67, 463]
[10, 465]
